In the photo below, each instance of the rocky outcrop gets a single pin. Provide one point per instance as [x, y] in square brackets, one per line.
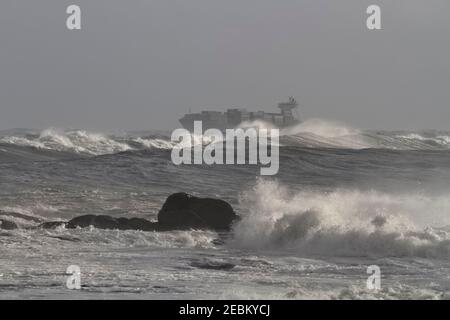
[184, 211]
[52, 224]
[181, 211]
[108, 222]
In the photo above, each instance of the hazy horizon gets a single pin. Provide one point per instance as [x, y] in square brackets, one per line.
[141, 65]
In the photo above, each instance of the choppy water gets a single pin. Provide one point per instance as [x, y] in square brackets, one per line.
[343, 199]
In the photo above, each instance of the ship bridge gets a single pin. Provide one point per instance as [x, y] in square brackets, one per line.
[287, 111]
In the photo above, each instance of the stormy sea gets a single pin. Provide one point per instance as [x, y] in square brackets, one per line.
[344, 199]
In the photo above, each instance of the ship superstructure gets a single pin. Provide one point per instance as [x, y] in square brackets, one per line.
[232, 118]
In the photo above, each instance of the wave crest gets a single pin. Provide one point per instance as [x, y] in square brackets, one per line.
[84, 142]
[312, 133]
[78, 141]
[341, 223]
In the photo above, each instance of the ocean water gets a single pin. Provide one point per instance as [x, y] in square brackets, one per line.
[343, 200]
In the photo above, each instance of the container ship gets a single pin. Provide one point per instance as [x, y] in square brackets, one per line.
[234, 117]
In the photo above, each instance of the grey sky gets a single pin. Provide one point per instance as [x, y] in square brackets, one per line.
[141, 64]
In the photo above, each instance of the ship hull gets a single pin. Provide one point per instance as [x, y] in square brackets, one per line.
[232, 118]
[207, 124]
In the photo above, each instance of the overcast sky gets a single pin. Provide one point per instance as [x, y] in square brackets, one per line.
[141, 64]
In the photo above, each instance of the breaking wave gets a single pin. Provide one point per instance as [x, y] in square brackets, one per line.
[321, 133]
[343, 223]
[312, 133]
[154, 143]
[83, 142]
[322, 128]
[317, 133]
[77, 141]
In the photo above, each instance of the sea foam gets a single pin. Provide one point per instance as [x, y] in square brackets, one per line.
[342, 222]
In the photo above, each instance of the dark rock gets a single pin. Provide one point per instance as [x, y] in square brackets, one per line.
[7, 225]
[52, 224]
[184, 211]
[107, 222]
[213, 265]
[100, 222]
[180, 212]
[137, 224]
